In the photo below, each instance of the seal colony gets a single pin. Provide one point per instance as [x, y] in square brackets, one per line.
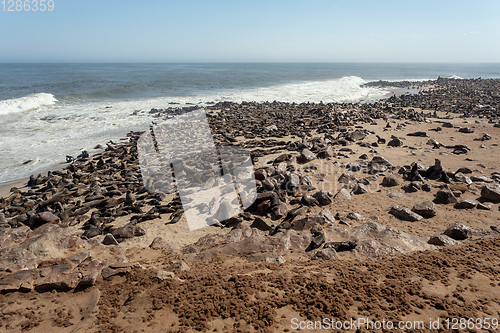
[386, 210]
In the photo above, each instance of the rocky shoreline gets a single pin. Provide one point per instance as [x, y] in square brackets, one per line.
[336, 182]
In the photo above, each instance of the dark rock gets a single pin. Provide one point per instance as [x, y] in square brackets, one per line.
[405, 214]
[359, 189]
[232, 221]
[325, 254]
[426, 187]
[481, 178]
[458, 231]
[63, 281]
[356, 135]
[343, 194]
[88, 280]
[279, 210]
[445, 196]
[353, 167]
[391, 180]
[325, 153]
[109, 239]
[306, 156]
[307, 200]
[395, 142]
[329, 218]
[260, 174]
[380, 160]
[425, 209]
[355, 216]
[491, 192]
[305, 223]
[260, 224]
[323, 198]
[160, 244]
[346, 178]
[466, 204]
[442, 240]
[484, 205]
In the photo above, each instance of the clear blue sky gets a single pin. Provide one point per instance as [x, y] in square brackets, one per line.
[254, 31]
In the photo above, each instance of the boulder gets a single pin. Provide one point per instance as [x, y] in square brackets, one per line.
[355, 216]
[260, 174]
[380, 160]
[346, 178]
[329, 218]
[356, 135]
[342, 195]
[491, 192]
[395, 142]
[359, 188]
[391, 180]
[466, 204]
[279, 211]
[109, 239]
[323, 198]
[325, 254]
[425, 209]
[445, 196]
[304, 223]
[159, 243]
[405, 214]
[458, 231]
[260, 224]
[375, 240]
[308, 200]
[484, 205]
[306, 156]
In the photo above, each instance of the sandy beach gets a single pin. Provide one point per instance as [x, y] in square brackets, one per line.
[387, 211]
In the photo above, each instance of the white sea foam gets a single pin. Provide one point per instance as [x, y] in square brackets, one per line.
[456, 77]
[25, 103]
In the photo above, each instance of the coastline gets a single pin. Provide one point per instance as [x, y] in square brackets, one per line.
[375, 189]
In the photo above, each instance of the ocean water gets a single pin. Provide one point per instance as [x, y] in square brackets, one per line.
[48, 111]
